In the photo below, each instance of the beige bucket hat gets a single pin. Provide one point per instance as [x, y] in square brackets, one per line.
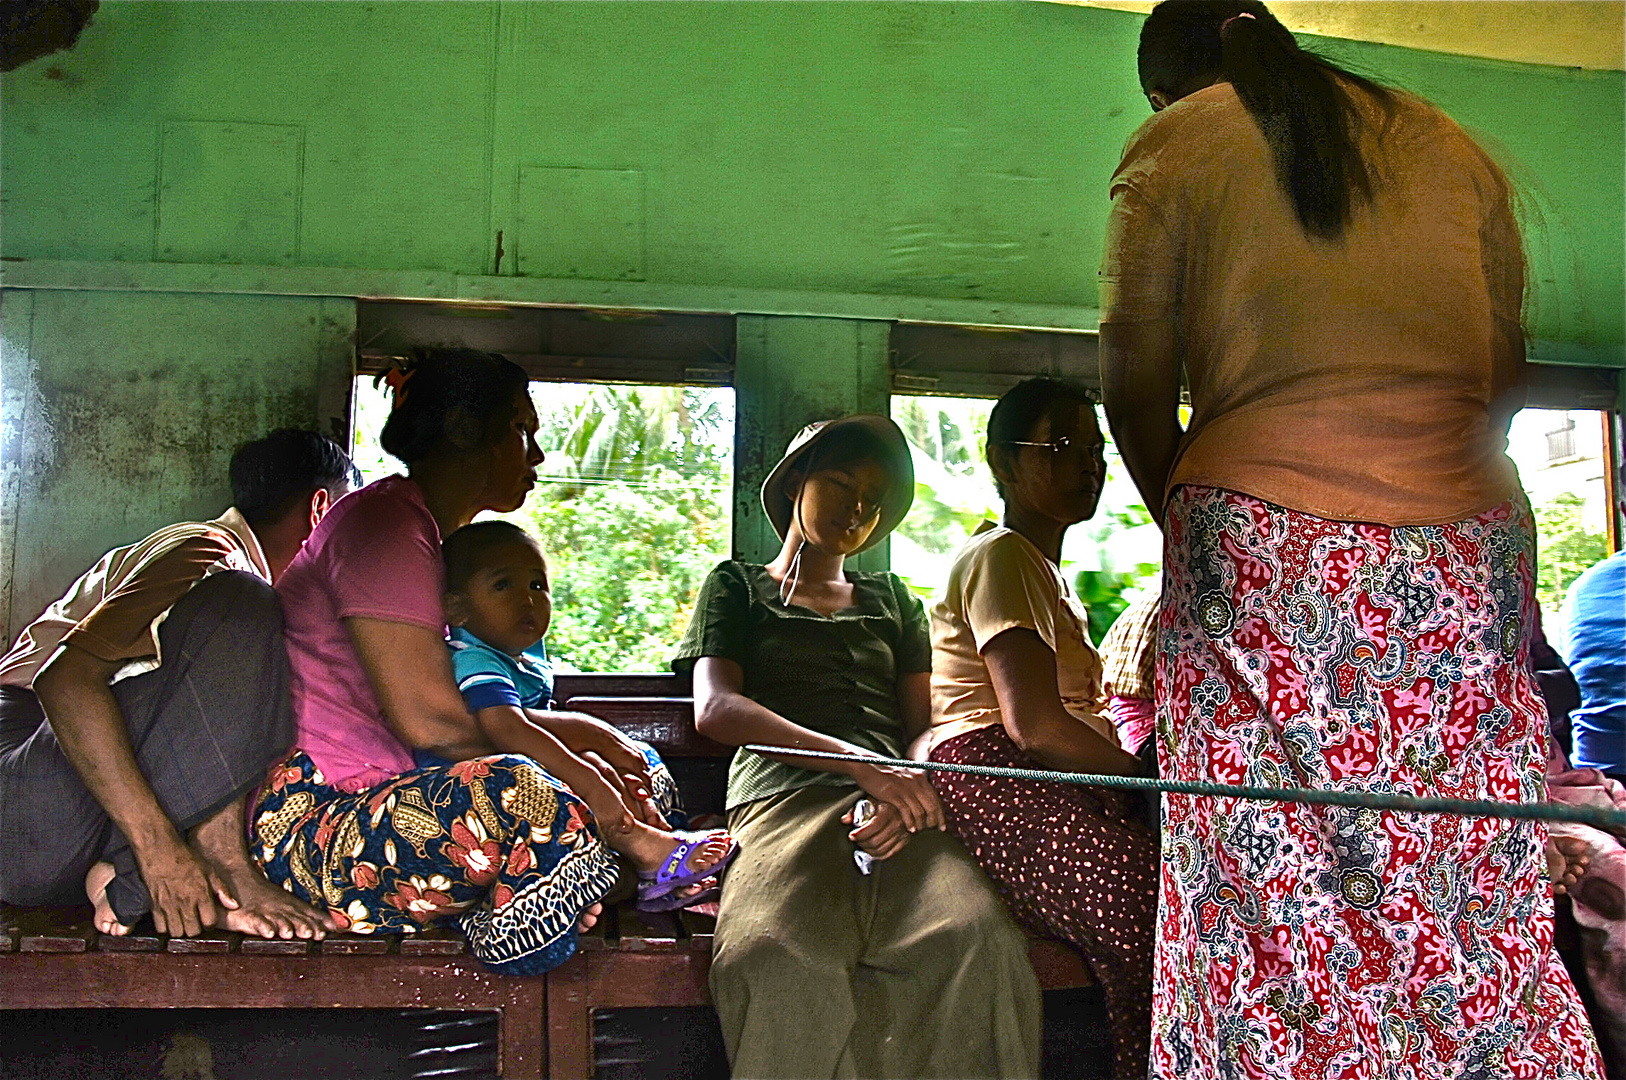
[900, 494]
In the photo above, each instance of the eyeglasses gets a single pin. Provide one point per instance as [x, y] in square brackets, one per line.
[1064, 444]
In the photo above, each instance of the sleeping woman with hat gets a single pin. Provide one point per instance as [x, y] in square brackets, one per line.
[819, 969]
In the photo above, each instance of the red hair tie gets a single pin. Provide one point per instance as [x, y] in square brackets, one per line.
[396, 379]
[1234, 18]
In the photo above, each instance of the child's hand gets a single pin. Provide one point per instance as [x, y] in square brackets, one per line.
[584, 734]
[884, 835]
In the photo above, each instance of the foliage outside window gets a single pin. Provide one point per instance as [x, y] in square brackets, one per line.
[1568, 496]
[632, 511]
[1565, 548]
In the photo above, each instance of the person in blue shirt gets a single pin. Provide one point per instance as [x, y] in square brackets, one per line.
[1595, 649]
[498, 604]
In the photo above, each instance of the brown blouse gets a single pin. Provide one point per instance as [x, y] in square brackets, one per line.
[1349, 379]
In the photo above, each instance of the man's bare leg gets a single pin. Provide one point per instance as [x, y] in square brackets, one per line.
[262, 909]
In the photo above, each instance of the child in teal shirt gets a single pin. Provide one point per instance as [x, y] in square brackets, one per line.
[499, 605]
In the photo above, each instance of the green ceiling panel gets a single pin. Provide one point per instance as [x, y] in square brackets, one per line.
[946, 150]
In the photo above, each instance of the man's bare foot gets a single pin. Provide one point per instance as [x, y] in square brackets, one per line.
[1567, 860]
[589, 917]
[96, 890]
[263, 910]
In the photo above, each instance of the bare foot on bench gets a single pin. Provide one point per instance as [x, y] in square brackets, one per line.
[263, 910]
[589, 917]
[96, 890]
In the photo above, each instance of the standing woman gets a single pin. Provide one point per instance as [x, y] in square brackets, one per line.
[1347, 569]
[1016, 682]
[911, 968]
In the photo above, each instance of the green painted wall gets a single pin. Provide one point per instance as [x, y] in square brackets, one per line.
[955, 150]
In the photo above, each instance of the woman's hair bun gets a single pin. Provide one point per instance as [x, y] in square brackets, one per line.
[436, 383]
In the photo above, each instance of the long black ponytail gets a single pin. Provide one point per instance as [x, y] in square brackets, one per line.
[1295, 96]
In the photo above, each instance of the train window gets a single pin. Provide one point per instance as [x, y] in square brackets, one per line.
[632, 509]
[1562, 458]
[1109, 559]
[637, 413]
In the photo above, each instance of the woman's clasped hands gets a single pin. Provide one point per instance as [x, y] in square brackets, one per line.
[904, 802]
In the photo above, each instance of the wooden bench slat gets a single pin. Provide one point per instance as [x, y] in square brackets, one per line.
[699, 927]
[569, 684]
[667, 723]
[358, 944]
[253, 946]
[56, 930]
[436, 941]
[143, 937]
[648, 931]
[208, 943]
[601, 936]
[11, 934]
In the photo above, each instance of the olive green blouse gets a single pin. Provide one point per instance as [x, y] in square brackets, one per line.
[835, 674]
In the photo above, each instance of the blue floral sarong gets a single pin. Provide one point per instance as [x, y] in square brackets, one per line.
[495, 846]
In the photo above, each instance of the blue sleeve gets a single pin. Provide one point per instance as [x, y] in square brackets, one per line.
[482, 679]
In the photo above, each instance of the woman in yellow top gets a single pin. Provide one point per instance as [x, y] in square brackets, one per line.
[1347, 568]
[1016, 682]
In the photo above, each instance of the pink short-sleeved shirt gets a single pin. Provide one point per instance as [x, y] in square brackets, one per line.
[376, 555]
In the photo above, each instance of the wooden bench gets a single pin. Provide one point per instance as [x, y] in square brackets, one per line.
[55, 959]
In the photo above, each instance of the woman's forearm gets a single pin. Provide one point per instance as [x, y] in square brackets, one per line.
[1022, 669]
[1140, 390]
[735, 720]
[1068, 744]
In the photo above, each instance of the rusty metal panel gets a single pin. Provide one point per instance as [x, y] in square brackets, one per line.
[985, 361]
[565, 344]
[121, 411]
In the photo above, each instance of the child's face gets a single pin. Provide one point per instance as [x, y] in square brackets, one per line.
[507, 602]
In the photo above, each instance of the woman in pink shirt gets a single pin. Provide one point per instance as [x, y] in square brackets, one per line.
[396, 807]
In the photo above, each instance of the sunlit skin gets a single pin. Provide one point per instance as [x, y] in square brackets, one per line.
[493, 470]
[514, 458]
[508, 604]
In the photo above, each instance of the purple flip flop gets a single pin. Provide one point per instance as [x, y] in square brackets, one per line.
[656, 888]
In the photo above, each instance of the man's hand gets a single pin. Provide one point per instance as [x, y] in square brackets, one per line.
[883, 835]
[184, 889]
